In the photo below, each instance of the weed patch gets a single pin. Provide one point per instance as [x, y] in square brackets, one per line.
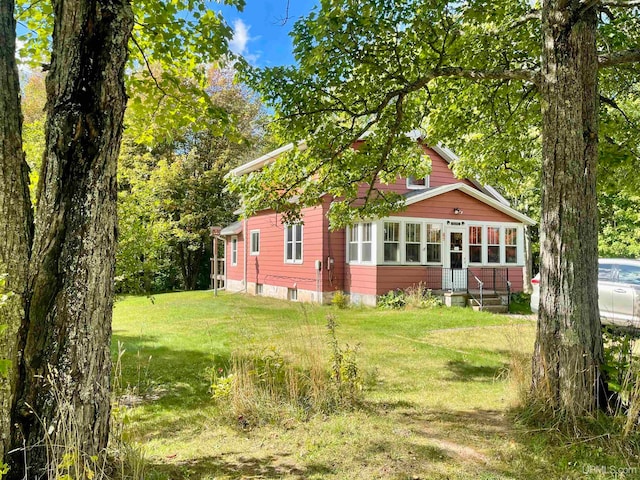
[265, 385]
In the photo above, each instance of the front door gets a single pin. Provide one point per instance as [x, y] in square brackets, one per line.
[454, 274]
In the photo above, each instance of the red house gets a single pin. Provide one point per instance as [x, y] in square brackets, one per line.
[454, 236]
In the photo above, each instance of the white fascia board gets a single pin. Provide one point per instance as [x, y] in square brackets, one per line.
[472, 192]
[496, 194]
[266, 159]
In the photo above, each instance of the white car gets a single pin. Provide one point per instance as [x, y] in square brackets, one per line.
[618, 292]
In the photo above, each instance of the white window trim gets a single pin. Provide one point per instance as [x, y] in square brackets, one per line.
[517, 245]
[233, 245]
[483, 256]
[378, 235]
[500, 245]
[434, 243]
[294, 240]
[372, 241]
[400, 243]
[421, 244]
[251, 250]
[412, 186]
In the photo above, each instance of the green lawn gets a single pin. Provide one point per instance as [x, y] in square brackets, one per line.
[436, 405]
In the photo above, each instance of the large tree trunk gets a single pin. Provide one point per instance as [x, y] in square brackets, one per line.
[568, 352]
[65, 389]
[17, 222]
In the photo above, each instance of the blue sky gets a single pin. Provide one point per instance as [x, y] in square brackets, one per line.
[260, 34]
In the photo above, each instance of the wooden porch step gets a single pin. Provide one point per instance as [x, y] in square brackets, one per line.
[486, 300]
[491, 308]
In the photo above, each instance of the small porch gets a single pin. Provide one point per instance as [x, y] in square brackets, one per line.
[479, 287]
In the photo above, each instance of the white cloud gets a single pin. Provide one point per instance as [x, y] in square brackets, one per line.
[240, 40]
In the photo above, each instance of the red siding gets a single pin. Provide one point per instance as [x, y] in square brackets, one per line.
[442, 207]
[269, 266]
[441, 174]
[382, 279]
[361, 279]
[392, 277]
[235, 272]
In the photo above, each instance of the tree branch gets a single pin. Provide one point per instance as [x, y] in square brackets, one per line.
[524, 75]
[613, 104]
[620, 3]
[618, 58]
[532, 15]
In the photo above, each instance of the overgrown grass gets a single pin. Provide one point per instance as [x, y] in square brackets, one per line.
[437, 404]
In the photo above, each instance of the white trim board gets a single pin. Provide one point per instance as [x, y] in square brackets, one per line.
[472, 192]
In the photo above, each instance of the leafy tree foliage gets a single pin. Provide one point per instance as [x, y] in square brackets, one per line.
[171, 195]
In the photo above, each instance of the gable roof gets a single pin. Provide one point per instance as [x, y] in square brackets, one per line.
[419, 195]
[450, 157]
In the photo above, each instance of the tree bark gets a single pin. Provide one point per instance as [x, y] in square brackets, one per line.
[568, 351]
[66, 377]
[17, 221]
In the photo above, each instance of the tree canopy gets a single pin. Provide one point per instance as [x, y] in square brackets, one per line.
[464, 74]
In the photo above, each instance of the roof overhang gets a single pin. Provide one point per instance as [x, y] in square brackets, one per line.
[233, 229]
[266, 159]
[472, 192]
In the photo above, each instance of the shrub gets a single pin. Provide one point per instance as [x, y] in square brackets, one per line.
[416, 296]
[392, 299]
[340, 299]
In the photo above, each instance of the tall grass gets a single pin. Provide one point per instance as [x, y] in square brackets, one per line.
[616, 427]
[268, 385]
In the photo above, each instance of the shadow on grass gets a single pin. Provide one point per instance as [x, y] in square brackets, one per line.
[169, 386]
[466, 372]
[271, 466]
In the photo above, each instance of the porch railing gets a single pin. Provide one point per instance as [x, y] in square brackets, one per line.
[487, 279]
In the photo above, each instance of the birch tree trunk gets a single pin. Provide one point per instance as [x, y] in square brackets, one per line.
[568, 351]
[66, 378]
[17, 222]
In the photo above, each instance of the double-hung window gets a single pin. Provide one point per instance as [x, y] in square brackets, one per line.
[359, 243]
[493, 244]
[353, 243]
[234, 251]
[412, 242]
[434, 243]
[293, 244]
[511, 245]
[475, 244]
[391, 243]
[366, 243]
